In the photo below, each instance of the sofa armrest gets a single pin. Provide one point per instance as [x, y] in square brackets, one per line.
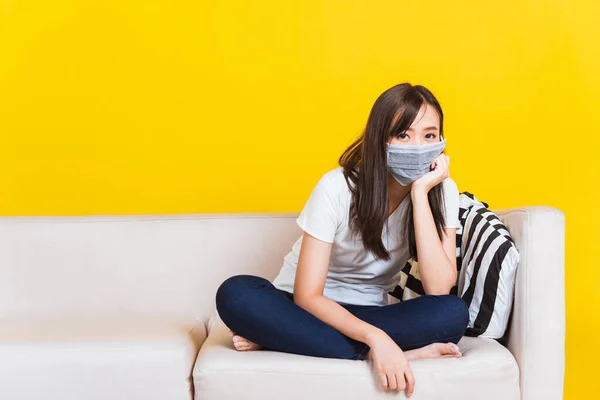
[536, 335]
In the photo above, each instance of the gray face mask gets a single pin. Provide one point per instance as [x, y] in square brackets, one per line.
[408, 163]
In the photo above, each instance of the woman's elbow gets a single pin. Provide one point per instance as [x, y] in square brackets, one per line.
[438, 289]
[304, 300]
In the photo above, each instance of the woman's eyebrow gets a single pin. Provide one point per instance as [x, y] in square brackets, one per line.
[429, 128]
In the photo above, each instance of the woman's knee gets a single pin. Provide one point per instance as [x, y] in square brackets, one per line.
[456, 311]
[235, 287]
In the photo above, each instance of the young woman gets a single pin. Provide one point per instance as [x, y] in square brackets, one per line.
[390, 199]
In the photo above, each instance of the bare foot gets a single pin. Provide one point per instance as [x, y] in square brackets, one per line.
[243, 344]
[434, 350]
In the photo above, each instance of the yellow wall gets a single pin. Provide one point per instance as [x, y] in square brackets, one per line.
[184, 107]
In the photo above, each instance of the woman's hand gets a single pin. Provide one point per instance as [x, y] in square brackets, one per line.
[440, 170]
[391, 364]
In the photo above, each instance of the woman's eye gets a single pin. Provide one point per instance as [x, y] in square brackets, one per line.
[430, 136]
[403, 136]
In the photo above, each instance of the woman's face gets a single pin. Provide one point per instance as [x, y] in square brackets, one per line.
[425, 129]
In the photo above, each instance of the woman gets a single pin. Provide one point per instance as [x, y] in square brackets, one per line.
[390, 199]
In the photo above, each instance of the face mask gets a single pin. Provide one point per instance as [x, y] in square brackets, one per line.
[408, 163]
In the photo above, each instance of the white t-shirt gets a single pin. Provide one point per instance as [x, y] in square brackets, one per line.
[354, 276]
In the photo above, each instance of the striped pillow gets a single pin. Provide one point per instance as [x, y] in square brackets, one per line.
[486, 259]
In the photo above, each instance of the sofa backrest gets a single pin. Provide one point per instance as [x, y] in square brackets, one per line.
[143, 265]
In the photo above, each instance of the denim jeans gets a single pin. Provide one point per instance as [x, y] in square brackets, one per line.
[255, 309]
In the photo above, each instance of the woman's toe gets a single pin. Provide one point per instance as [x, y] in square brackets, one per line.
[453, 349]
[239, 345]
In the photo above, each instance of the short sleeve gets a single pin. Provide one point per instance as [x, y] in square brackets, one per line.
[451, 203]
[320, 215]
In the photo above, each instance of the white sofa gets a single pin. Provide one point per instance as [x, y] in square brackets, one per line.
[123, 308]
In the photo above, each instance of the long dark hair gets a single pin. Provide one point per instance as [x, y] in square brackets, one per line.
[366, 172]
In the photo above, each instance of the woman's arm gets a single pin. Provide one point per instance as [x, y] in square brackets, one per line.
[437, 258]
[311, 272]
[389, 360]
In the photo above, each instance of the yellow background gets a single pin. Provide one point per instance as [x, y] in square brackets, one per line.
[112, 107]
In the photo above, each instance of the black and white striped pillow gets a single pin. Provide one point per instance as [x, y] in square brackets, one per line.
[486, 259]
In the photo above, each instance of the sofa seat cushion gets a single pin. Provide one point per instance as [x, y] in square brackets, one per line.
[98, 358]
[486, 370]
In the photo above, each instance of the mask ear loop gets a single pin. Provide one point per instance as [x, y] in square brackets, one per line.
[441, 140]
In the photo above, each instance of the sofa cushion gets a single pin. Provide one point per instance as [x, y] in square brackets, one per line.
[487, 261]
[98, 358]
[486, 370]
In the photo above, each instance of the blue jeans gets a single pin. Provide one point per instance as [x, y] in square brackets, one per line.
[255, 309]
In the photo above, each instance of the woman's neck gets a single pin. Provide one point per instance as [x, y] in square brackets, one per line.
[396, 193]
